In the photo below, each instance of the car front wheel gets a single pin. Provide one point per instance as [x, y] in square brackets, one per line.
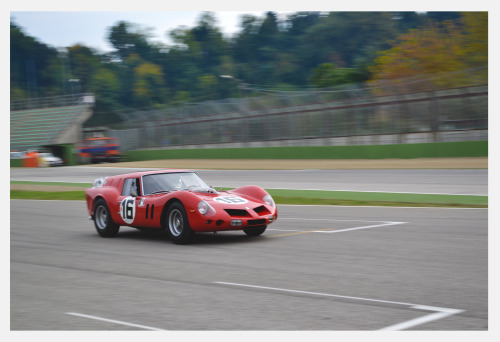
[102, 220]
[178, 225]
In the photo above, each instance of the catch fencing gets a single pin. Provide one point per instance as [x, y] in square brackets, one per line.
[355, 115]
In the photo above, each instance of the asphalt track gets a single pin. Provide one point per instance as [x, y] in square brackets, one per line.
[318, 268]
[447, 181]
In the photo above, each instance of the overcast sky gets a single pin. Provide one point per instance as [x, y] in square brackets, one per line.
[61, 23]
[62, 29]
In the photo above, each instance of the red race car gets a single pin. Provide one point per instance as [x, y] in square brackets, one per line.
[178, 202]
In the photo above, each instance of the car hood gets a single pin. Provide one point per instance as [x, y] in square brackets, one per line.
[225, 198]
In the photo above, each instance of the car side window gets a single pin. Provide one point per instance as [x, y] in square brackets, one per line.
[130, 184]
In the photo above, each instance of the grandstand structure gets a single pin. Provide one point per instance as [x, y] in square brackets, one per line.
[53, 124]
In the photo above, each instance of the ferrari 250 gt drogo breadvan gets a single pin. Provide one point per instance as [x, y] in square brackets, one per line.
[178, 202]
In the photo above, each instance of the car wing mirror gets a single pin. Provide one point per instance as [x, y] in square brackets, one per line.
[133, 193]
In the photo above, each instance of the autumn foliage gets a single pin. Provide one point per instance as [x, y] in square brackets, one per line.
[437, 54]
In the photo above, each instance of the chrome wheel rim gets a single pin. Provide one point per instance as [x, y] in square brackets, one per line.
[101, 217]
[175, 222]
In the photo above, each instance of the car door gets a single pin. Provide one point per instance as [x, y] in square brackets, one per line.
[138, 210]
[129, 203]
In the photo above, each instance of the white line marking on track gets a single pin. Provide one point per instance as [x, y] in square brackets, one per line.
[381, 224]
[358, 228]
[324, 219]
[113, 321]
[439, 313]
[374, 206]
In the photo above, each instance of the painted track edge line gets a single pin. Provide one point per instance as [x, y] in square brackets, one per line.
[439, 313]
[113, 321]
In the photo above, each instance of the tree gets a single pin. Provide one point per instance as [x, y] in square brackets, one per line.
[84, 63]
[209, 40]
[268, 29]
[434, 51]
[476, 38]
[34, 67]
[341, 37]
[128, 38]
[328, 75]
[105, 84]
[149, 88]
[207, 86]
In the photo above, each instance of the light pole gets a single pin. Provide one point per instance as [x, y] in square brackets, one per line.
[245, 126]
[72, 88]
[241, 85]
[63, 56]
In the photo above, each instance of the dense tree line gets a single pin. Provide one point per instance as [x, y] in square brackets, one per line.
[305, 49]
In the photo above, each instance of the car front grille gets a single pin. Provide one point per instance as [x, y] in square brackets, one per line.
[262, 210]
[237, 212]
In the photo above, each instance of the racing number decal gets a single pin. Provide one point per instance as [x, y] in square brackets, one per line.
[127, 209]
[230, 200]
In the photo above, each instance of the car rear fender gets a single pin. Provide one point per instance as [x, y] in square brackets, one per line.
[91, 203]
[107, 194]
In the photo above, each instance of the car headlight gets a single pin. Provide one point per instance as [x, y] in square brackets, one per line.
[205, 209]
[99, 182]
[269, 200]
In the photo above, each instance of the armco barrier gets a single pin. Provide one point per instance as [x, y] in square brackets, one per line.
[402, 151]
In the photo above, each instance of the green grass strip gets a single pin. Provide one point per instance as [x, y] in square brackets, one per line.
[48, 195]
[379, 197]
[82, 185]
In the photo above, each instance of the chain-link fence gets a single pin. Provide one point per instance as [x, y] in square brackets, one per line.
[290, 116]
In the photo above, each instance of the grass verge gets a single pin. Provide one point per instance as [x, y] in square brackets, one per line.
[48, 195]
[377, 198]
[82, 185]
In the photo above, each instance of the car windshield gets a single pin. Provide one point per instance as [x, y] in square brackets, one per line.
[165, 182]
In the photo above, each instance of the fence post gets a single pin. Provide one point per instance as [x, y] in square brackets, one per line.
[434, 115]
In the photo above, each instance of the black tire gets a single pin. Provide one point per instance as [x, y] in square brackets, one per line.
[177, 224]
[103, 221]
[255, 231]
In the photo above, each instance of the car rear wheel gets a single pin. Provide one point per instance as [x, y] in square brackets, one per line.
[178, 225]
[102, 220]
[254, 231]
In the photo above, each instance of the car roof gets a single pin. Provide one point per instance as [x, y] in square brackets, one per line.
[149, 172]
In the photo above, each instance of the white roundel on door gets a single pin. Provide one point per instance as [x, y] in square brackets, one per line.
[127, 209]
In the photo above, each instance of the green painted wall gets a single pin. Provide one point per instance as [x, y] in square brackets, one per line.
[16, 163]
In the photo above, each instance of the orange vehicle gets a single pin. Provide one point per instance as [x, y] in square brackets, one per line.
[99, 149]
